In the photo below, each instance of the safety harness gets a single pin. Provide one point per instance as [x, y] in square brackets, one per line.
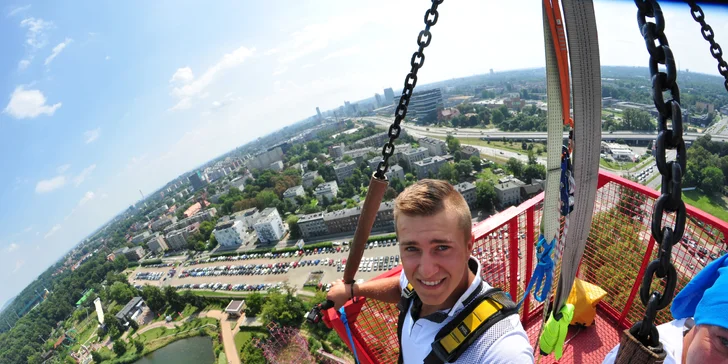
[481, 312]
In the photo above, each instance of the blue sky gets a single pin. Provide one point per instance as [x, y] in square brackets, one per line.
[99, 99]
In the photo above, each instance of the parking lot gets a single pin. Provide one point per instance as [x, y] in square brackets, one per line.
[267, 271]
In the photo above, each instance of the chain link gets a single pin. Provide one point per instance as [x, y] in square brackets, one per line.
[670, 200]
[410, 81]
[707, 32]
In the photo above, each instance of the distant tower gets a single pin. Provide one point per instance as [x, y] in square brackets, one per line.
[388, 95]
[318, 114]
[379, 99]
[491, 71]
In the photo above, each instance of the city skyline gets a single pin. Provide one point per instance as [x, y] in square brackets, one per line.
[97, 109]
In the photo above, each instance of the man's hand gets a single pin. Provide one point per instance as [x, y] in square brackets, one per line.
[339, 293]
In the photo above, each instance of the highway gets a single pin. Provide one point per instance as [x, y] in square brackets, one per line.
[495, 134]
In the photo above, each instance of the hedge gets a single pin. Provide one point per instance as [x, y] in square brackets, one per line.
[382, 237]
[150, 262]
[326, 244]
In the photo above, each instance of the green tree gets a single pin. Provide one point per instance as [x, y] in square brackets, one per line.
[464, 168]
[448, 173]
[295, 230]
[453, 144]
[314, 147]
[515, 166]
[390, 194]
[251, 354]
[477, 164]
[206, 228]
[504, 110]
[397, 184]
[532, 171]
[497, 117]
[119, 348]
[174, 300]
[283, 308]
[254, 304]
[485, 194]
[153, 297]
[635, 119]
[713, 180]
[120, 292]
[138, 345]
[97, 358]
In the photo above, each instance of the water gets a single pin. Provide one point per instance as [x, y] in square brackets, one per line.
[194, 350]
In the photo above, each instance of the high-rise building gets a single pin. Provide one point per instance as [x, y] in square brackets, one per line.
[388, 95]
[198, 182]
[378, 100]
[318, 114]
[425, 103]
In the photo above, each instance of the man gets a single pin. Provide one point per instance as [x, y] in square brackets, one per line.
[433, 226]
[699, 333]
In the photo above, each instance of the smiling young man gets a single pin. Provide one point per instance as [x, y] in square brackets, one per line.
[441, 284]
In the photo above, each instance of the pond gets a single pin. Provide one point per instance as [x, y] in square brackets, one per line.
[194, 350]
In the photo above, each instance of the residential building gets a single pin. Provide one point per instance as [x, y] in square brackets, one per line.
[308, 178]
[337, 150]
[141, 237]
[376, 140]
[508, 193]
[374, 162]
[195, 208]
[158, 211]
[312, 225]
[269, 226]
[467, 151]
[378, 99]
[229, 233]
[429, 166]
[293, 192]
[250, 216]
[514, 103]
[131, 311]
[157, 243]
[395, 171]
[238, 182]
[200, 216]
[467, 189]
[530, 190]
[318, 114]
[132, 254]
[424, 103]
[197, 180]
[389, 96]
[414, 155]
[264, 160]
[344, 170]
[177, 239]
[359, 155]
[434, 146]
[327, 189]
[161, 223]
[276, 166]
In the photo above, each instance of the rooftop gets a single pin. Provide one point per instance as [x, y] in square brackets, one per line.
[129, 306]
[235, 306]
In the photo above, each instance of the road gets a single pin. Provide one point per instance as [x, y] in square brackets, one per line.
[495, 134]
[718, 129]
[231, 352]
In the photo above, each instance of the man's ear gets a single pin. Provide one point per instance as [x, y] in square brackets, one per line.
[471, 243]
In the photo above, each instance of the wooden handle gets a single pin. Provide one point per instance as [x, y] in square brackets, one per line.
[369, 210]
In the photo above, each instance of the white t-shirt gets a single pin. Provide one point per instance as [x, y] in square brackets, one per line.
[671, 337]
[504, 342]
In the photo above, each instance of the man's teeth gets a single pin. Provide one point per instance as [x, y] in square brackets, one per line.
[431, 283]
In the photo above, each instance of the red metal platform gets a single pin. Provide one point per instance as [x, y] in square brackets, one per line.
[618, 249]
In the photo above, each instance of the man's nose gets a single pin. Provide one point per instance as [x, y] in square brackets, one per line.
[428, 267]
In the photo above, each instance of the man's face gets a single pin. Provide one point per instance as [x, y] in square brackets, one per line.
[706, 344]
[434, 255]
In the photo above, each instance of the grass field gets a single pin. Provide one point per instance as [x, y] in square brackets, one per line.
[245, 334]
[714, 205]
[616, 165]
[226, 294]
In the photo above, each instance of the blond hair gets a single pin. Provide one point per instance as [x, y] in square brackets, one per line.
[428, 197]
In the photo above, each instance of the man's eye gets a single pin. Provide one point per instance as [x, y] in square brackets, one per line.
[410, 249]
[723, 341]
[442, 247]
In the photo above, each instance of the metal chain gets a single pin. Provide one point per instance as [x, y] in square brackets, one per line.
[418, 59]
[707, 33]
[670, 200]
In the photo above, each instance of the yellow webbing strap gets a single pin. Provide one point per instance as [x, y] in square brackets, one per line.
[480, 314]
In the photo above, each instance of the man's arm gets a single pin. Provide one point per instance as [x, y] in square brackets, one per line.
[385, 289]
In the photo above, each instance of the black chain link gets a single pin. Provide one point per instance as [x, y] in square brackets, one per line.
[670, 200]
[707, 32]
[418, 59]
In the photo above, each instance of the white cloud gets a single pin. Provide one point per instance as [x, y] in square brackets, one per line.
[197, 88]
[36, 37]
[23, 64]
[107, 58]
[12, 247]
[346, 52]
[280, 71]
[307, 65]
[86, 198]
[57, 50]
[91, 135]
[271, 51]
[63, 168]
[48, 185]
[83, 175]
[182, 75]
[52, 231]
[28, 229]
[29, 104]
[134, 161]
[19, 263]
[18, 10]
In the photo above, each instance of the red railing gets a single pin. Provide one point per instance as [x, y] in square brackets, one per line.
[617, 252]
